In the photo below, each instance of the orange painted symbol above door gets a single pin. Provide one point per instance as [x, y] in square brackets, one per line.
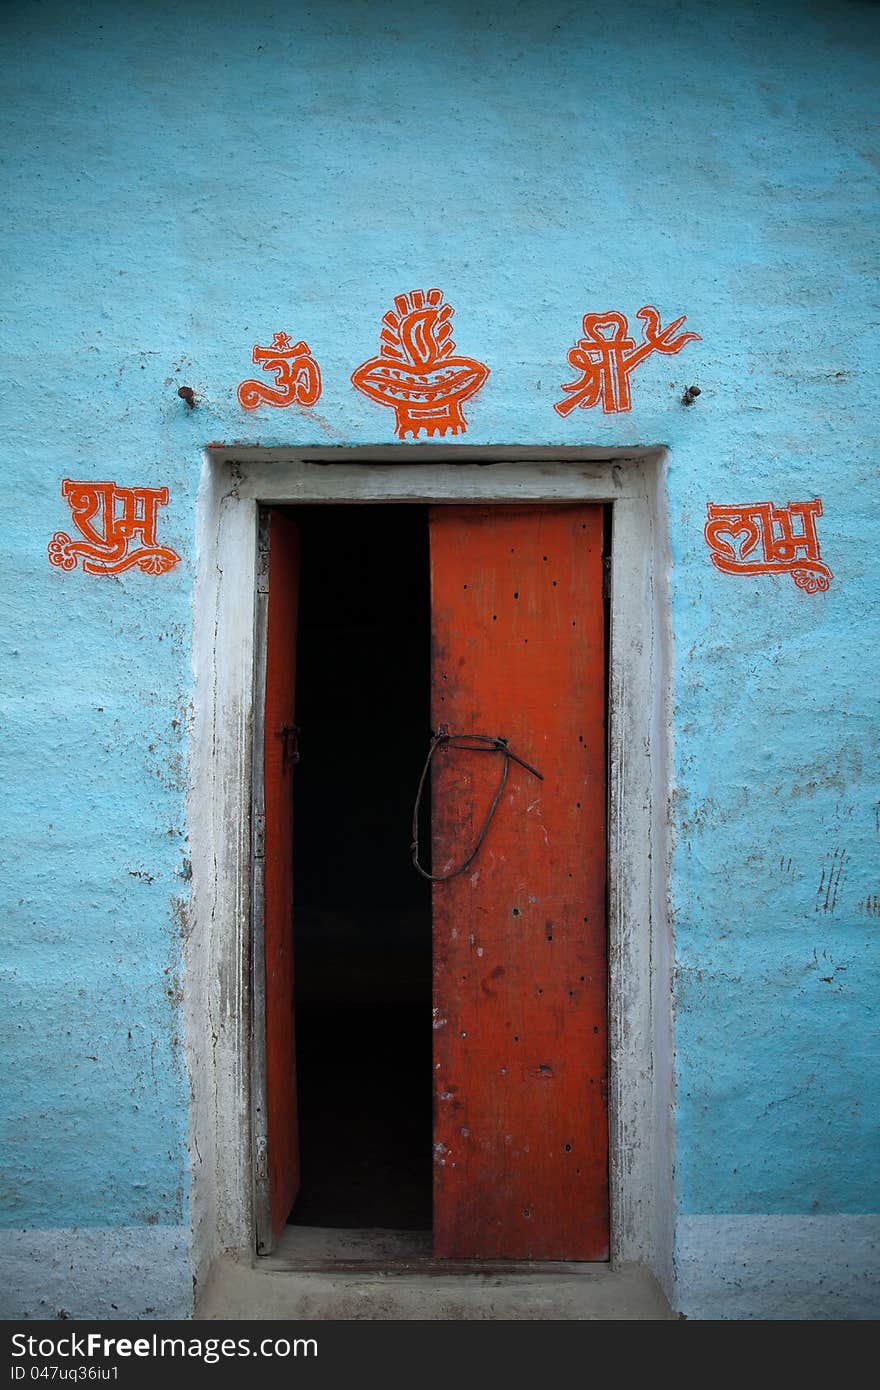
[734, 535]
[606, 356]
[297, 375]
[118, 526]
[417, 372]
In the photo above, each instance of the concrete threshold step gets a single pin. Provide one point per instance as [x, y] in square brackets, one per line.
[319, 1274]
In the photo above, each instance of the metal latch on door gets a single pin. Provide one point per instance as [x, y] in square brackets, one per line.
[290, 755]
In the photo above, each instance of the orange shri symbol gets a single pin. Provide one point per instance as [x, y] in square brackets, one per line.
[606, 355]
[297, 375]
[125, 514]
[733, 535]
[416, 372]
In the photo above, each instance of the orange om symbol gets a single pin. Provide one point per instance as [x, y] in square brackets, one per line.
[297, 375]
[417, 372]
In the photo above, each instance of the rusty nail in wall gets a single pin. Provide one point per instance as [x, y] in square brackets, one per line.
[186, 393]
[690, 395]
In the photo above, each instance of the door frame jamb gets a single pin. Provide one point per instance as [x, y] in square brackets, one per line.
[222, 1011]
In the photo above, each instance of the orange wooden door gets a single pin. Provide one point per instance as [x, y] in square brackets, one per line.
[278, 753]
[520, 1033]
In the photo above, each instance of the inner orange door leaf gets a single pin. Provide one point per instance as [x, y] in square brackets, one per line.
[281, 1096]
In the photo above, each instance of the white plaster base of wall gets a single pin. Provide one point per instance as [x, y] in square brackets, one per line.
[772, 1267]
[96, 1272]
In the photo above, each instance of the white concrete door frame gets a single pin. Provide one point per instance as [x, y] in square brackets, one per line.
[218, 966]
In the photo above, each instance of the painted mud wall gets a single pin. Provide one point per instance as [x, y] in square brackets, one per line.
[186, 181]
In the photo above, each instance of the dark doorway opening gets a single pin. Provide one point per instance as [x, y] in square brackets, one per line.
[362, 915]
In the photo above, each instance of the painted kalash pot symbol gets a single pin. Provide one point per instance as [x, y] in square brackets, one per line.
[606, 356]
[417, 372]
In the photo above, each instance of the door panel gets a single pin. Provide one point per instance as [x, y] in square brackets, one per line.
[520, 1033]
[278, 753]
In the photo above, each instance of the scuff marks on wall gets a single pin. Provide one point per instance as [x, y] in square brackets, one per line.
[830, 881]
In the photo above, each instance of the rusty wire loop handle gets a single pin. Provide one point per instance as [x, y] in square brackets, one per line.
[471, 743]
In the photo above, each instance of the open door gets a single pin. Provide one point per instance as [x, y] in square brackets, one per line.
[520, 1032]
[277, 1150]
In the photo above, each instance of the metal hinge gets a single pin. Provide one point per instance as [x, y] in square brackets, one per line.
[261, 1159]
[259, 835]
[263, 554]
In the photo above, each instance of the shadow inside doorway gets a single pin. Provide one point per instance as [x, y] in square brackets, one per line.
[362, 915]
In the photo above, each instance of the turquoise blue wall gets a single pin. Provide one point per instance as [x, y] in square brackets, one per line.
[187, 179]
